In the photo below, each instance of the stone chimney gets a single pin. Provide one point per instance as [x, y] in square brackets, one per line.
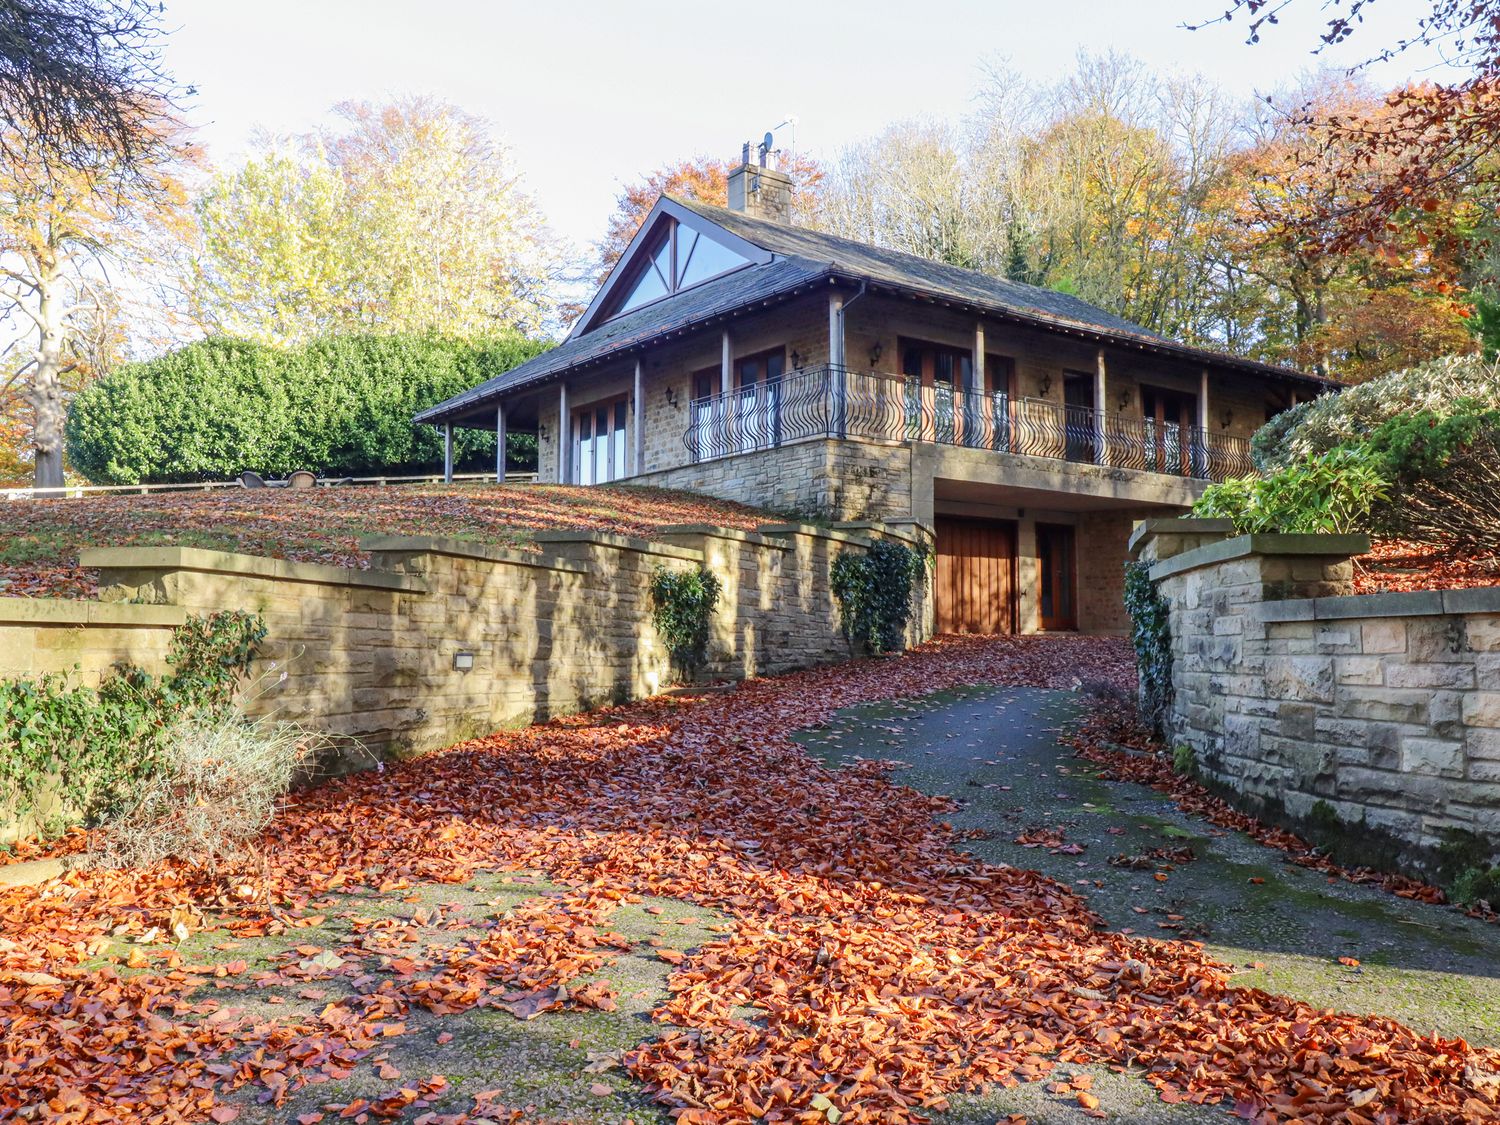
[761, 190]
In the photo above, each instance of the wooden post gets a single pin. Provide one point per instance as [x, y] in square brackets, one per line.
[975, 413]
[836, 358]
[1101, 406]
[564, 433]
[447, 452]
[1202, 466]
[500, 443]
[638, 402]
[726, 385]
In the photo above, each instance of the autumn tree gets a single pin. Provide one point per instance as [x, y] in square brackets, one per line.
[1433, 139]
[409, 217]
[702, 179]
[70, 233]
[1353, 311]
[76, 77]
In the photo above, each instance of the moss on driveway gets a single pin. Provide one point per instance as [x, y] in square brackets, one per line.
[1285, 928]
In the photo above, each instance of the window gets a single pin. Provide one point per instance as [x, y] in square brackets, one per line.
[599, 449]
[679, 257]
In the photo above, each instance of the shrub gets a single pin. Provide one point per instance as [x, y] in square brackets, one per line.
[1338, 491]
[1446, 477]
[874, 591]
[215, 787]
[1151, 634]
[682, 605]
[80, 754]
[342, 404]
[1353, 414]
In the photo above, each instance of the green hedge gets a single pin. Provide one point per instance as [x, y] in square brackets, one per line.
[341, 405]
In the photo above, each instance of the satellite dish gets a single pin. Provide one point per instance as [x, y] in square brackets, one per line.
[768, 142]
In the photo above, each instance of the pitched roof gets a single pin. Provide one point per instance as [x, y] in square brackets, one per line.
[800, 258]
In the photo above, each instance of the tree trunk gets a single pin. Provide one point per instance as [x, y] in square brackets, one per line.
[47, 392]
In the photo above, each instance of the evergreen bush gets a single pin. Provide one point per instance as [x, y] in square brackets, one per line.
[682, 606]
[875, 591]
[339, 405]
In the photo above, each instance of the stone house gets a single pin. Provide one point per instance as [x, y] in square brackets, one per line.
[732, 353]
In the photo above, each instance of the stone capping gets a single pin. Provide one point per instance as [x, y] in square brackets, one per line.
[1182, 525]
[621, 543]
[76, 611]
[1410, 603]
[464, 549]
[815, 532]
[714, 531]
[1245, 546]
[907, 530]
[252, 566]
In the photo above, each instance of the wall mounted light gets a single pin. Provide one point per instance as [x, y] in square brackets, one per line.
[541, 431]
[463, 661]
[1046, 385]
[1124, 400]
[1226, 418]
[796, 360]
[875, 355]
[671, 398]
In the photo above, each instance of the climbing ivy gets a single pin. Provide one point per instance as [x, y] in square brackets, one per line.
[80, 753]
[875, 591]
[682, 604]
[1151, 634]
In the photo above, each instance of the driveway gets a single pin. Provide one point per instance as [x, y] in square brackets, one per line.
[1285, 928]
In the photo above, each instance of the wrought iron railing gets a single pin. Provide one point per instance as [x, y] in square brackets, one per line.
[832, 402]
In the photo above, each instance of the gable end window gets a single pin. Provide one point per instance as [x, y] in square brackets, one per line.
[677, 257]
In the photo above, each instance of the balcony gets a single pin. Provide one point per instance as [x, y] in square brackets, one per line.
[828, 402]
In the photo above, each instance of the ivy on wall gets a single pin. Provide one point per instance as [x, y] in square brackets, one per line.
[875, 591]
[682, 605]
[1151, 634]
[81, 754]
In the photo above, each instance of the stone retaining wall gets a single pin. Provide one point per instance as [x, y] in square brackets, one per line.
[1293, 691]
[376, 654]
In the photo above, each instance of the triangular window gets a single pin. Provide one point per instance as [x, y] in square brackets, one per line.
[677, 258]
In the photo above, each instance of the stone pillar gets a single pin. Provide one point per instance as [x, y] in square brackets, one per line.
[1222, 665]
[836, 360]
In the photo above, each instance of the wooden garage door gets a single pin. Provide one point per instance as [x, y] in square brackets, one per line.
[975, 576]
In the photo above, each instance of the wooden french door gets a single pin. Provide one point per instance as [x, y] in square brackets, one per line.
[1057, 566]
[1078, 415]
[975, 576]
[1171, 418]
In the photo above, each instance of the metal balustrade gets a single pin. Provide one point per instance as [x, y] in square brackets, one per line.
[837, 403]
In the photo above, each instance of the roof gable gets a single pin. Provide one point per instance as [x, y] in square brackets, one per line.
[674, 250]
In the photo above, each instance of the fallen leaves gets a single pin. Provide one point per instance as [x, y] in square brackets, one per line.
[323, 525]
[885, 969]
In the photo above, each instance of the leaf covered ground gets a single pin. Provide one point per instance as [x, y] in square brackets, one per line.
[855, 965]
[1393, 565]
[40, 539]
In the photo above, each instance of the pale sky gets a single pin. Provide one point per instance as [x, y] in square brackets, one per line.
[593, 93]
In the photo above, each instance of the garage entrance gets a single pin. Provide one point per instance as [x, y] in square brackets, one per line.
[976, 565]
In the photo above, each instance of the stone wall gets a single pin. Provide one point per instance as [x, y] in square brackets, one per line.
[1292, 691]
[375, 654]
[824, 477]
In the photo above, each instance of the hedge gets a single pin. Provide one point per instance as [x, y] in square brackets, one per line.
[339, 405]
